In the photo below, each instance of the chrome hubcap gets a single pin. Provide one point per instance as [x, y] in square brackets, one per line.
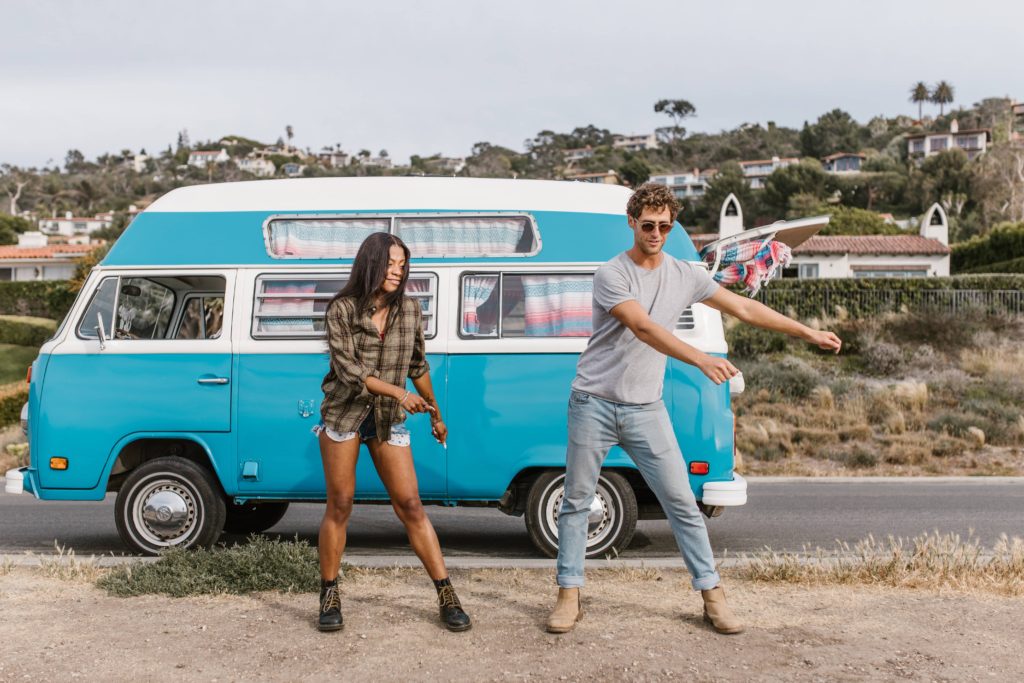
[165, 513]
[600, 519]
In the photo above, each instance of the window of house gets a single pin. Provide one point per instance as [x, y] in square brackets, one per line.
[294, 305]
[526, 305]
[6, 274]
[808, 270]
[937, 144]
[893, 272]
[917, 146]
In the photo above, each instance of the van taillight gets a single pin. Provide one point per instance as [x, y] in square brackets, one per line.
[28, 375]
[699, 467]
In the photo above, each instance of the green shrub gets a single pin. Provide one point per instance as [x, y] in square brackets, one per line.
[747, 341]
[25, 330]
[860, 458]
[789, 377]
[1005, 241]
[260, 564]
[882, 358]
[44, 298]
[12, 397]
[1015, 265]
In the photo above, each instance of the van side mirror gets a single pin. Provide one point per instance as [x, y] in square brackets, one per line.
[100, 331]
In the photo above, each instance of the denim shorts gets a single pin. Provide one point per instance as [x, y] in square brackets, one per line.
[367, 430]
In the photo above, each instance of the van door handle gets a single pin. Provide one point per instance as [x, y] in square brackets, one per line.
[213, 380]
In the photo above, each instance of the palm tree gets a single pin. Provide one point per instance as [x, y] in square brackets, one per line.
[942, 95]
[919, 95]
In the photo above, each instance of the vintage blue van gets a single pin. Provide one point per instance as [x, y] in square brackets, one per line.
[186, 376]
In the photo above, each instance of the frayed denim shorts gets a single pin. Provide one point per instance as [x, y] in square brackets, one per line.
[367, 430]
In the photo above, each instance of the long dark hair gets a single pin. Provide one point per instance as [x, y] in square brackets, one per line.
[369, 269]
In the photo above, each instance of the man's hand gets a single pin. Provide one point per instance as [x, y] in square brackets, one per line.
[717, 369]
[825, 340]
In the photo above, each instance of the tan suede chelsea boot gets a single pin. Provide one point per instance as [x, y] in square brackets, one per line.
[718, 614]
[568, 610]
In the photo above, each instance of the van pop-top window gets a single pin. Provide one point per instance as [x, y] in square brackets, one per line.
[433, 236]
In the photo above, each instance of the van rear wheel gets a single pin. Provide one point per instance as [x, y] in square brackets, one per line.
[612, 519]
[252, 518]
[169, 502]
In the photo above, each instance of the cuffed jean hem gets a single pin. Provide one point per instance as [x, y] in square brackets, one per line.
[705, 583]
[575, 582]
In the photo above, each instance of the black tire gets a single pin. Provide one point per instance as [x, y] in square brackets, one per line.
[169, 502]
[607, 536]
[252, 518]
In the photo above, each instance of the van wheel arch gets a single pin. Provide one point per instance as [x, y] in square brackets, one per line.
[145, 449]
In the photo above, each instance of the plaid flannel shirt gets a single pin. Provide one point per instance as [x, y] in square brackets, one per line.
[356, 352]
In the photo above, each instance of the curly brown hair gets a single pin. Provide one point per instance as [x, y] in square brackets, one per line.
[652, 196]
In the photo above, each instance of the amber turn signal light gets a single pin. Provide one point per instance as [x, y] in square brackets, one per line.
[58, 463]
[28, 375]
[699, 467]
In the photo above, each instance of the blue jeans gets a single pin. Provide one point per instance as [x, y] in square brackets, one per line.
[645, 433]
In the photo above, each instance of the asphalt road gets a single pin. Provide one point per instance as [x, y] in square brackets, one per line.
[783, 514]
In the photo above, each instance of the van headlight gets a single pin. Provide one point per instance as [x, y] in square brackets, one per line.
[24, 419]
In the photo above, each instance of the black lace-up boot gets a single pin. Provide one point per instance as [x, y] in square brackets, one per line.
[330, 607]
[452, 614]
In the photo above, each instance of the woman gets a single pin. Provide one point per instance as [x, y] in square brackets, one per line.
[375, 339]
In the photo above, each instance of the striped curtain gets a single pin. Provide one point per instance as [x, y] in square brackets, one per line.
[476, 289]
[332, 239]
[461, 235]
[558, 305]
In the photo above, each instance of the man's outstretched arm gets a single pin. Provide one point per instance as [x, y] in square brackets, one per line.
[757, 314]
[632, 315]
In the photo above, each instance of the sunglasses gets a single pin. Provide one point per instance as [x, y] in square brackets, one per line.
[663, 228]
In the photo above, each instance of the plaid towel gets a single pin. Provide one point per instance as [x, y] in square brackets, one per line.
[752, 263]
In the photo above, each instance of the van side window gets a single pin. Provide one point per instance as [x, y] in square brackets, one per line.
[102, 305]
[541, 305]
[156, 307]
[201, 318]
[144, 309]
[293, 306]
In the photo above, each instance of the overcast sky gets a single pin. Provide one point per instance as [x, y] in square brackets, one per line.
[439, 76]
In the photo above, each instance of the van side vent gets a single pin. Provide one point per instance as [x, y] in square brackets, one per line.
[685, 321]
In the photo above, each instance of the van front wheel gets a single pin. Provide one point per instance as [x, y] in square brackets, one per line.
[610, 524]
[169, 502]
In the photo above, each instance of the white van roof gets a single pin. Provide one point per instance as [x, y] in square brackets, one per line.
[396, 194]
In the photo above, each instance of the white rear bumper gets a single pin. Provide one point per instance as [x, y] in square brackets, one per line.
[14, 481]
[726, 493]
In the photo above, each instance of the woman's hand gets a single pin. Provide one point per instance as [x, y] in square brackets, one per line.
[440, 431]
[414, 403]
[717, 369]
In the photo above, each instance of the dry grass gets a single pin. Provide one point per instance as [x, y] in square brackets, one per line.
[931, 561]
[66, 566]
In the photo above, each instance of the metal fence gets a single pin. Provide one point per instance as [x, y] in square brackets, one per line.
[869, 302]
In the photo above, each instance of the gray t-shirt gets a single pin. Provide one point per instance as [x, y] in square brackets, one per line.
[617, 366]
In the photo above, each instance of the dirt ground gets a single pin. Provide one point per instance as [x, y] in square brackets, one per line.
[638, 625]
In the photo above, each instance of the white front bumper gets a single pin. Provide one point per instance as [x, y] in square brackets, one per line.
[726, 493]
[14, 481]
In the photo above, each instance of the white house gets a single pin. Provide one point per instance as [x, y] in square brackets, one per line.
[137, 162]
[973, 142]
[635, 143]
[758, 170]
[332, 157]
[685, 184]
[843, 162]
[71, 225]
[203, 158]
[33, 259]
[862, 256]
[258, 166]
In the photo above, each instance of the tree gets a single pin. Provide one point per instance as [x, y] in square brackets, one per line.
[806, 178]
[835, 131]
[919, 95]
[11, 227]
[678, 111]
[942, 95]
[945, 173]
[14, 181]
[845, 220]
[290, 132]
[634, 171]
[728, 180]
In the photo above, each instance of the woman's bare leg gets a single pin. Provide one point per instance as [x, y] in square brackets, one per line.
[395, 467]
[339, 460]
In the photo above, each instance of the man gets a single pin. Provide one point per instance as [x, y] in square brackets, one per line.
[616, 396]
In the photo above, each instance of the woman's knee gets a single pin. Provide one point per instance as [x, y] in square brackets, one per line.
[339, 508]
[409, 509]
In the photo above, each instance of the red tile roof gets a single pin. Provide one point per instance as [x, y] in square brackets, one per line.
[840, 155]
[872, 244]
[49, 251]
[854, 244]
